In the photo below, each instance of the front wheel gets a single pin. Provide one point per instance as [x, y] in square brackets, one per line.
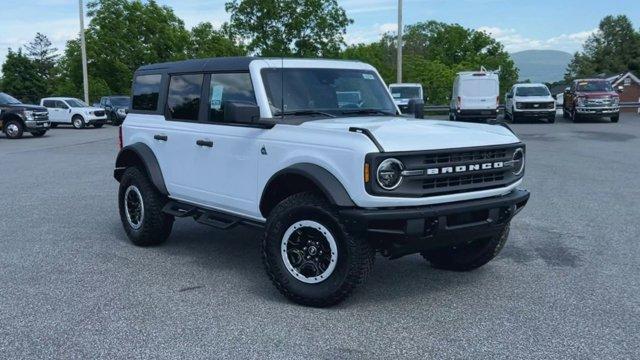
[470, 255]
[309, 255]
[141, 209]
[78, 122]
[13, 129]
[615, 119]
[38, 133]
[97, 125]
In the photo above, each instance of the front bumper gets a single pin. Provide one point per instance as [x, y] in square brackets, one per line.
[96, 119]
[37, 125]
[536, 113]
[428, 227]
[476, 114]
[598, 111]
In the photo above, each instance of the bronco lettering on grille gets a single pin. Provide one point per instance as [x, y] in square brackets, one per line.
[467, 168]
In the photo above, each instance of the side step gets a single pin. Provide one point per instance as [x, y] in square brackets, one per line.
[217, 219]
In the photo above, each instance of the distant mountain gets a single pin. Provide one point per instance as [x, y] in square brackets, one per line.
[541, 65]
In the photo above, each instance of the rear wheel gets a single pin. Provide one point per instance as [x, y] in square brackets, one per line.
[13, 129]
[514, 118]
[468, 256]
[38, 133]
[141, 209]
[309, 255]
[97, 125]
[78, 122]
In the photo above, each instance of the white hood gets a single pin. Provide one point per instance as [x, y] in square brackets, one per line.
[534, 98]
[403, 134]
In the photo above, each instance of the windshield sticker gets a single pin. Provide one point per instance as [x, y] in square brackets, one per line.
[216, 96]
[368, 76]
[395, 95]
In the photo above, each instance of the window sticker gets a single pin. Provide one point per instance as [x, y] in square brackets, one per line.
[368, 76]
[216, 97]
[395, 95]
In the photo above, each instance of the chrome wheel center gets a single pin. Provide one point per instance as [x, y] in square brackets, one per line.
[309, 251]
[12, 129]
[134, 207]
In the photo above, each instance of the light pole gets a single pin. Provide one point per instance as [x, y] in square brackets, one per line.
[399, 60]
[83, 48]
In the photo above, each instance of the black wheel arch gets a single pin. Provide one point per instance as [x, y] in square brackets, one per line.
[299, 178]
[6, 117]
[141, 155]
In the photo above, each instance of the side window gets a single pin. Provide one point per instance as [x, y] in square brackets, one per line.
[228, 87]
[146, 90]
[183, 100]
[49, 103]
[61, 105]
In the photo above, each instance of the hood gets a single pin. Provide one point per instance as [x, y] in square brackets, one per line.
[26, 107]
[596, 94]
[534, 98]
[405, 134]
[88, 108]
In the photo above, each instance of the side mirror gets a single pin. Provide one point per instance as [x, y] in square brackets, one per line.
[416, 107]
[554, 96]
[509, 96]
[241, 112]
[620, 88]
[567, 90]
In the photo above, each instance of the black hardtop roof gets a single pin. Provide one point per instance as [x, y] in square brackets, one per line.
[238, 63]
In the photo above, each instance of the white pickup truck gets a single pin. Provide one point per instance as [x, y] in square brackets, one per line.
[65, 110]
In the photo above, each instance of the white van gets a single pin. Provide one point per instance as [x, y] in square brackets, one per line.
[404, 92]
[475, 96]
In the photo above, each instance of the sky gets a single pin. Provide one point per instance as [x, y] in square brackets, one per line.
[518, 24]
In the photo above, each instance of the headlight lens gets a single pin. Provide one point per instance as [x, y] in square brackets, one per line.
[389, 174]
[122, 112]
[518, 161]
[615, 101]
[581, 101]
[29, 115]
[518, 105]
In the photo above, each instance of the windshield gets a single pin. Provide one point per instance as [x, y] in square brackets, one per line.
[7, 99]
[76, 103]
[405, 92]
[532, 91]
[480, 87]
[326, 92]
[120, 101]
[588, 86]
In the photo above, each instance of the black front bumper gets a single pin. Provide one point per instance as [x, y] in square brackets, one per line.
[427, 227]
[536, 114]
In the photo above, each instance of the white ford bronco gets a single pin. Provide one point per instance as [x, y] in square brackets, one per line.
[272, 143]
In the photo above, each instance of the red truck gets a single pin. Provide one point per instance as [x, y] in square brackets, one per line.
[591, 98]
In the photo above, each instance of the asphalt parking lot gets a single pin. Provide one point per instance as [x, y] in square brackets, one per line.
[567, 284]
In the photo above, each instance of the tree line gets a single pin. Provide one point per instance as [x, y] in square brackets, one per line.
[125, 34]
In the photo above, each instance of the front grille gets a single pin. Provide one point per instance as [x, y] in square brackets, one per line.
[41, 116]
[598, 102]
[537, 105]
[99, 113]
[431, 173]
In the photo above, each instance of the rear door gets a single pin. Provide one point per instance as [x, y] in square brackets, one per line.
[479, 93]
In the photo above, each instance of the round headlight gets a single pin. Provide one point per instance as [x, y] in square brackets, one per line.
[518, 161]
[389, 173]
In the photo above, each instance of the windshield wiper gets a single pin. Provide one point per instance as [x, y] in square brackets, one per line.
[368, 111]
[303, 112]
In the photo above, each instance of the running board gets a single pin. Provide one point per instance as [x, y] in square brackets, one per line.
[217, 219]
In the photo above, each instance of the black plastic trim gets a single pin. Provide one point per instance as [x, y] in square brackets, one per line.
[149, 161]
[368, 134]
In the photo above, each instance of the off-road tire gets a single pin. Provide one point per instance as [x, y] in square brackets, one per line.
[13, 135]
[78, 124]
[469, 256]
[615, 119]
[156, 225]
[507, 115]
[514, 118]
[355, 254]
[39, 133]
[565, 113]
[551, 120]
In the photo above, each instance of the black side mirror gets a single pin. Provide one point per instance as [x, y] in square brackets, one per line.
[554, 96]
[416, 107]
[567, 90]
[509, 96]
[240, 112]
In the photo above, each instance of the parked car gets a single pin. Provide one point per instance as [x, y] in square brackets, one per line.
[116, 108]
[17, 118]
[530, 101]
[405, 92]
[591, 98]
[330, 184]
[64, 110]
[475, 96]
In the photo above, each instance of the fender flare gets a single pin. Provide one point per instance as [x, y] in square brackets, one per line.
[328, 184]
[136, 154]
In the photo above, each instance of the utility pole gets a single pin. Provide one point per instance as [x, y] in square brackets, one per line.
[83, 47]
[399, 60]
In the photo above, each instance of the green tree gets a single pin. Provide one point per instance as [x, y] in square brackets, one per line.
[205, 41]
[20, 77]
[301, 28]
[614, 48]
[44, 57]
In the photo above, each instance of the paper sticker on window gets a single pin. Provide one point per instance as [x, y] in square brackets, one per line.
[396, 95]
[216, 97]
[368, 76]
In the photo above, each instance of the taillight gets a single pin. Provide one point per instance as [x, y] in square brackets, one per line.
[119, 137]
[459, 103]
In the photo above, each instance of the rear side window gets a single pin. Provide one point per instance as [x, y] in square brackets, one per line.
[183, 101]
[228, 87]
[146, 91]
[49, 103]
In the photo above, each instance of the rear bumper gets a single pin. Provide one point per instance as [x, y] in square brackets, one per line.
[438, 225]
[476, 114]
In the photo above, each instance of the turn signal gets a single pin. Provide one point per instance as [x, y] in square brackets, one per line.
[367, 173]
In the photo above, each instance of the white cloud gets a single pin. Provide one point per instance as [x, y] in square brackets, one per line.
[368, 35]
[514, 41]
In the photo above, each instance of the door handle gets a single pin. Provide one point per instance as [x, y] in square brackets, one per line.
[207, 143]
[160, 137]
